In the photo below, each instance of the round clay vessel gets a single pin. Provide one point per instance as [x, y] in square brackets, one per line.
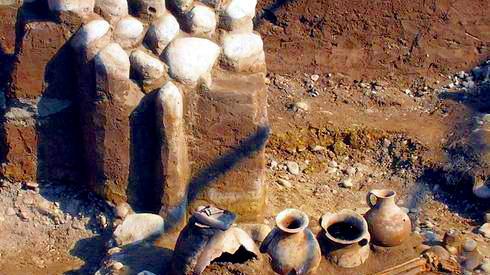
[347, 238]
[291, 245]
[388, 224]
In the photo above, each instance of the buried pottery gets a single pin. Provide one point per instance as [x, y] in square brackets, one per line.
[291, 245]
[388, 224]
[346, 238]
[209, 236]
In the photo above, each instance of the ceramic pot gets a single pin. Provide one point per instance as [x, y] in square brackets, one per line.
[347, 238]
[388, 224]
[291, 245]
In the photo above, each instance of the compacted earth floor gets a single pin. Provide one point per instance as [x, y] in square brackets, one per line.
[362, 95]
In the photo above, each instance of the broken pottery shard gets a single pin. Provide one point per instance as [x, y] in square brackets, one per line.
[202, 20]
[77, 6]
[149, 70]
[191, 59]
[238, 15]
[208, 235]
[89, 34]
[174, 162]
[112, 10]
[128, 32]
[147, 9]
[113, 60]
[162, 31]
[244, 52]
[138, 227]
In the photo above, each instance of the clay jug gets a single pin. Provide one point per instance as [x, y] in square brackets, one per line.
[346, 238]
[388, 224]
[291, 245]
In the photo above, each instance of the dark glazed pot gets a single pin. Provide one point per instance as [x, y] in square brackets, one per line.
[388, 224]
[291, 245]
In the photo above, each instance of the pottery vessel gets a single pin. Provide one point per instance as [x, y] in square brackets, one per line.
[291, 245]
[209, 235]
[346, 238]
[388, 224]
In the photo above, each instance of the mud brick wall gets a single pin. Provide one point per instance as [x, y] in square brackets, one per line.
[161, 104]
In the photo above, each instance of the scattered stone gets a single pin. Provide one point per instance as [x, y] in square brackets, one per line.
[485, 267]
[273, 164]
[351, 171]
[318, 148]
[333, 164]
[31, 185]
[347, 183]
[300, 106]
[191, 59]
[293, 167]
[161, 32]
[440, 251]
[122, 210]
[486, 218]
[315, 77]
[485, 230]
[284, 183]
[470, 245]
[137, 227]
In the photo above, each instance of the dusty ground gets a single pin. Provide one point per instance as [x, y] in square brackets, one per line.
[379, 105]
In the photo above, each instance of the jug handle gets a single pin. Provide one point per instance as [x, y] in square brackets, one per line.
[369, 195]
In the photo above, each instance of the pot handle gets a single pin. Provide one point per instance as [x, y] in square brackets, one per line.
[369, 200]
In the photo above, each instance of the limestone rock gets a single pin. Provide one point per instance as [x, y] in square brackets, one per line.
[174, 166]
[149, 70]
[202, 20]
[161, 32]
[293, 167]
[485, 230]
[191, 59]
[129, 32]
[77, 6]
[137, 227]
[89, 34]
[112, 10]
[244, 52]
[114, 61]
[147, 9]
[238, 15]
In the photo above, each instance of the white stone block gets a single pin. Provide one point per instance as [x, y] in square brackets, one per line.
[89, 33]
[244, 51]
[161, 32]
[114, 61]
[202, 20]
[77, 6]
[191, 59]
[147, 67]
[112, 10]
[129, 32]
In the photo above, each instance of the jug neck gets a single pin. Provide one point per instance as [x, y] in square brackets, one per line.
[382, 202]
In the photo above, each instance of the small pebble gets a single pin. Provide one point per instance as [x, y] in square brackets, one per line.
[347, 183]
[315, 77]
[301, 106]
[485, 267]
[351, 171]
[487, 217]
[284, 183]
[293, 167]
[333, 164]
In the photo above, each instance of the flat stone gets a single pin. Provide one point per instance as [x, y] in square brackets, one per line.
[293, 167]
[137, 227]
[161, 32]
[191, 59]
[485, 230]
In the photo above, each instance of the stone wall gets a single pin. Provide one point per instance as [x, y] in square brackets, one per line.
[162, 105]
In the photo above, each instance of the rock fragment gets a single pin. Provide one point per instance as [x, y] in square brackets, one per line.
[484, 230]
[138, 227]
[293, 167]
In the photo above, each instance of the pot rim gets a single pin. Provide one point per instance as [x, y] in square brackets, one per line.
[299, 215]
[327, 221]
[384, 193]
